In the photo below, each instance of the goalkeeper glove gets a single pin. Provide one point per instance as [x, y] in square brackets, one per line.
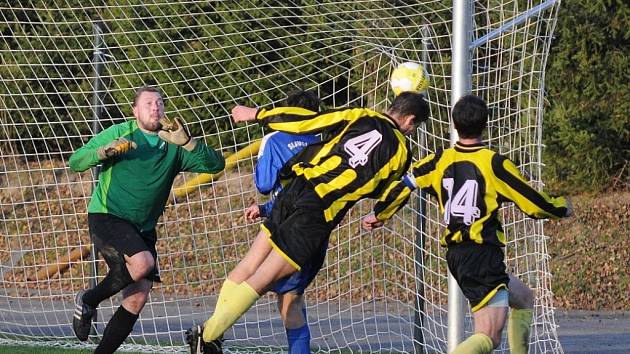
[174, 132]
[117, 147]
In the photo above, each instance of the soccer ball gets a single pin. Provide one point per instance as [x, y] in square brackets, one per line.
[409, 76]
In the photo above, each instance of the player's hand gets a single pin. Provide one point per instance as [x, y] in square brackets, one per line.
[370, 222]
[252, 213]
[243, 113]
[117, 147]
[174, 132]
[569, 207]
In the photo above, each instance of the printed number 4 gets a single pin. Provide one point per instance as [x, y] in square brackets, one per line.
[360, 147]
[464, 203]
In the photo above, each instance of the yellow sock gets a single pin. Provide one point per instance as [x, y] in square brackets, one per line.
[519, 323]
[242, 297]
[478, 343]
[226, 288]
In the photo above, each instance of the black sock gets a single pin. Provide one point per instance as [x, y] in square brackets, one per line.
[115, 281]
[116, 331]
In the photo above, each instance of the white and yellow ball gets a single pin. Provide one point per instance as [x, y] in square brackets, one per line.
[409, 76]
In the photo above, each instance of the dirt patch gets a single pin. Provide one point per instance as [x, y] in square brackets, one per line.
[590, 252]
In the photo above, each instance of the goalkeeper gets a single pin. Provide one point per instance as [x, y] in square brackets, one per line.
[276, 149]
[140, 159]
[470, 183]
[365, 151]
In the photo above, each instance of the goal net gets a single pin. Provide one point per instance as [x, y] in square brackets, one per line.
[70, 68]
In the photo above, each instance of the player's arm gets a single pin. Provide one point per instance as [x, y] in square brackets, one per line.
[300, 120]
[397, 194]
[512, 185]
[195, 156]
[268, 165]
[265, 209]
[106, 144]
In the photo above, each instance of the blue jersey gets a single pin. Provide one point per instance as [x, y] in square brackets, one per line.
[275, 150]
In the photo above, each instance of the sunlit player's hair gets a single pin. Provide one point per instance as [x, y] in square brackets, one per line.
[470, 116]
[411, 103]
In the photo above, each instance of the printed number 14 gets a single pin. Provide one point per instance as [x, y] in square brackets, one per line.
[463, 203]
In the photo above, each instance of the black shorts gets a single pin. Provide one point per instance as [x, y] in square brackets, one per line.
[479, 270]
[297, 227]
[116, 238]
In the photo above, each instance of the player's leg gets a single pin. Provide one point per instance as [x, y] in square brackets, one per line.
[120, 325]
[274, 267]
[293, 312]
[128, 257]
[291, 302]
[247, 266]
[257, 253]
[125, 252]
[480, 273]
[489, 322]
[520, 319]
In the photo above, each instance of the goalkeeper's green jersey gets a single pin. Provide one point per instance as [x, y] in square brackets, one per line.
[135, 186]
[470, 183]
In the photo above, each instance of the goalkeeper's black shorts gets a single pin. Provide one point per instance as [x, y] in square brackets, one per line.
[297, 227]
[116, 238]
[479, 270]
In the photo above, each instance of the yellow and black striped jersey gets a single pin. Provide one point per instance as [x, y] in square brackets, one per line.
[470, 183]
[364, 152]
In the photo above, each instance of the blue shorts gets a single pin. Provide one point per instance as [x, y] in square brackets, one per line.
[299, 281]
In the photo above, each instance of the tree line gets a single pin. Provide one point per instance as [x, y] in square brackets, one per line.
[586, 123]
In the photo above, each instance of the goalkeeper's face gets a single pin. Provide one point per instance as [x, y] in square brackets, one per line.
[148, 110]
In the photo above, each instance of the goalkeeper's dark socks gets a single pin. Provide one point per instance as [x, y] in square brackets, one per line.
[117, 330]
[114, 282]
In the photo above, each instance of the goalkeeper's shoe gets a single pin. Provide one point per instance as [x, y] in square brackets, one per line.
[82, 318]
[198, 346]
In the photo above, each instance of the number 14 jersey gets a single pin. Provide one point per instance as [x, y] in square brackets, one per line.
[470, 183]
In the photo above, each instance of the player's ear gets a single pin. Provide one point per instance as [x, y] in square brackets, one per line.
[410, 119]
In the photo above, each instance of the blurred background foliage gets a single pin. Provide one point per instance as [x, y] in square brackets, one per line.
[586, 124]
[587, 121]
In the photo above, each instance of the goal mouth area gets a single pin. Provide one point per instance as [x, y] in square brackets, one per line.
[71, 70]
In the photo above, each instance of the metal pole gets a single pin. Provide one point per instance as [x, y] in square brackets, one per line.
[461, 85]
[97, 110]
[418, 333]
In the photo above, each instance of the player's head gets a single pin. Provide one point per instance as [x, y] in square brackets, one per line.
[148, 108]
[304, 99]
[409, 109]
[470, 116]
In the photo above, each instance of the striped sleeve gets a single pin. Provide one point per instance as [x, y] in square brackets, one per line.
[397, 194]
[304, 121]
[514, 187]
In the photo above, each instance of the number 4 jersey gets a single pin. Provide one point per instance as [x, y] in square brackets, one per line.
[470, 183]
[362, 153]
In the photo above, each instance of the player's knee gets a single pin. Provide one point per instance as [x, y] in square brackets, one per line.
[140, 265]
[241, 272]
[495, 336]
[136, 302]
[496, 340]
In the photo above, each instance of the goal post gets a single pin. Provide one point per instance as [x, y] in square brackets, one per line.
[69, 69]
